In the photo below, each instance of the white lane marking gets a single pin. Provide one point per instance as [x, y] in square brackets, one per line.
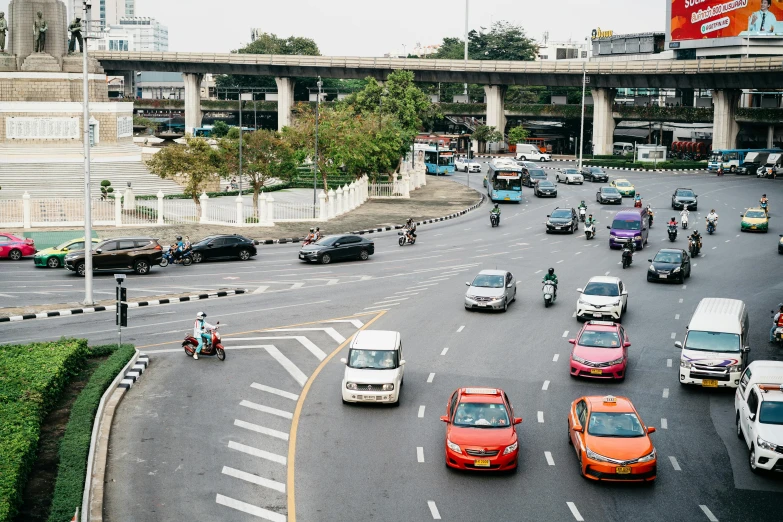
[680, 300]
[573, 314]
[409, 293]
[431, 377]
[559, 262]
[515, 258]
[421, 411]
[549, 459]
[260, 429]
[419, 288]
[433, 510]
[490, 255]
[666, 393]
[357, 323]
[668, 363]
[675, 464]
[575, 511]
[545, 386]
[728, 240]
[507, 233]
[304, 341]
[577, 253]
[392, 301]
[420, 454]
[555, 357]
[607, 273]
[565, 334]
[257, 452]
[260, 289]
[376, 308]
[286, 363]
[254, 479]
[331, 332]
[664, 424]
[250, 509]
[267, 409]
[275, 391]
[296, 286]
[425, 284]
[444, 351]
[707, 512]
[714, 248]
[684, 287]
[541, 417]
[539, 271]
[674, 335]
[460, 328]
[676, 317]
[437, 280]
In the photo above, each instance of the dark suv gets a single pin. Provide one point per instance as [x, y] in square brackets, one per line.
[594, 174]
[224, 247]
[530, 176]
[124, 253]
[562, 220]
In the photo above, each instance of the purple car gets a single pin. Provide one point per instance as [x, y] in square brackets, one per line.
[629, 224]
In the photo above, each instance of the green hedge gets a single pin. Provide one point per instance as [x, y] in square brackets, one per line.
[75, 444]
[31, 379]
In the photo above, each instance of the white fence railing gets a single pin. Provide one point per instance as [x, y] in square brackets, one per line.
[295, 212]
[11, 212]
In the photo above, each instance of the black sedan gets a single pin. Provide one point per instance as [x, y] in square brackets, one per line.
[609, 195]
[562, 220]
[684, 197]
[337, 248]
[594, 174]
[224, 247]
[545, 188]
[670, 264]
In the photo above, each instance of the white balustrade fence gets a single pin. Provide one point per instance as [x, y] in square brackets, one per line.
[295, 212]
[11, 212]
[179, 211]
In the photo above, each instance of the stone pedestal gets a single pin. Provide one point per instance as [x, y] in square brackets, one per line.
[21, 18]
[73, 63]
[41, 62]
[7, 62]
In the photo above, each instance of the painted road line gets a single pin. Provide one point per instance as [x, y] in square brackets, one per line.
[380, 307]
[421, 411]
[260, 289]
[575, 511]
[549, 459]
[545, 386]
[431, 377]
[410, 292]
[664, 424]
[668, 363]
[675, 464]
[515, 258]
[490, 255]
[420, 454]
[607, 272]
[393, 301]
[267, 409]
[433, 510]
[275, 391]
[250, 509]
[257, 452]
[680, 300]
[438, 279]
[424, 284]
[714, 248]
[260, 429]
[539, 271]
[676, 317]
[674, 334]
[565, 334]
[286, 363]
[684, 287]
[666, 393]
[304, 341]
[555, 357]
[559, 262]
[728, 241]
[709, 514]
[444, 351]
[573, 314]
[577, 253]
[254, 479]
[541, 417]
[460, 328]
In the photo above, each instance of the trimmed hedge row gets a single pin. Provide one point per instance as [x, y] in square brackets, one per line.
[32, 378]
[75, 444]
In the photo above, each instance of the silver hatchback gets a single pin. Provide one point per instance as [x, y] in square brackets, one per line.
[491, 290]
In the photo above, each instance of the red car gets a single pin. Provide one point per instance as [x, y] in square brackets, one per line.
[15, 248]
[600, 351]
[480, 432]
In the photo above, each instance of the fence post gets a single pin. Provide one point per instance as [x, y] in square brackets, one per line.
[366, 191]
[160, 207]
[423, 175]
[204, 200]
[270, 210]
[406, 186]
[352, 197]
[331, 203]
[261, 207]
[322, 211]
[240, 211]
[118, 210]
[338, 207]
[26, 210]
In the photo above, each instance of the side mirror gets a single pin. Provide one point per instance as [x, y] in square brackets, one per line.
[644, 229]
[444, 418]
[467, 283]
[65, 249]
[344, 360]
[517, 420]
[650, 260]
[625, 292]
[752, 416]
[579, 290]
[402, 362]
[607, 226]
[98, 251]
[547, 215]
[626, 344]
[746, 349]
[337, 244]
[572, 341]
[577, 428]
[650, 429]
[677, 344]
[509, 285]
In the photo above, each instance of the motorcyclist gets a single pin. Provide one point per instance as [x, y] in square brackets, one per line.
[178, 250]
[582, 208]
[410, 229]
[764, 203]
[551, 277]
[494, 210]
[310, 237]
[777, 321]
[684, 215]
[695, 238]
[712, 217]
[318, 234]
[650, 214]
[590, 220]
[673, 222]
[201, 331]
[637, 201]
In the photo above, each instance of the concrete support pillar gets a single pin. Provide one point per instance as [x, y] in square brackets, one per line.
[130, 199]
[204, 200]
[330, 204]
[160, 207]
[603, 120]
[129, 84]
[240, 211]
[406, 185]
[26, 214]
[117, 209]
[496, 106]
[770, 136]
[725, 127]
[192, 101]
[323, 213]
[285, 101]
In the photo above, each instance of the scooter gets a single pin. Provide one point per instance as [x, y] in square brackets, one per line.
[590, 231]
[406, 238]
[168, 258]
[710, 227]
[628, 254]
[694, 248]
[638, 202]
[778, 335]
[684, 222]
[549, 293]
[672, 232]
[582, 214]
[494, 219]
[765, 206]
[308, 240]
[650, 214]
[214, 347]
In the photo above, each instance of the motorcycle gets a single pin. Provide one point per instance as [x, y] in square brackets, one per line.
[549, 293]
[637, 202]
[778, 335]
[406, 238]
[650, 213]
[308, 240]
[494, 219]
[710, 227]
[582, 214]
[590, 231]
[684, 222]
[765, 206]
[213, 347]
[672, 232]
[168, 258]
[628, 254]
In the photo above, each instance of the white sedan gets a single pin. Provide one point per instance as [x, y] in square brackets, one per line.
[466, 165]
[569, 176]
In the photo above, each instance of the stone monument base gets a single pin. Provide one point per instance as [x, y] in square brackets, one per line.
[41, 62]
[74, 63]
[7, 62]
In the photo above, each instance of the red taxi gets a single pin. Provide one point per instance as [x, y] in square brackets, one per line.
[15, 248]
[600, 351]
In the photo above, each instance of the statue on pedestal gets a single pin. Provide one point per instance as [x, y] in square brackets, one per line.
[3, 31]
[76, 35]
[39, 33]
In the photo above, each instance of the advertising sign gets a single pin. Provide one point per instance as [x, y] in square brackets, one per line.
[707, 19]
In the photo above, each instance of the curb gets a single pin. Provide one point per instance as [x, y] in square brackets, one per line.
[135, 304]
[92, 500]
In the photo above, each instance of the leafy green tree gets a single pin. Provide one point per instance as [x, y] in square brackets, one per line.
[195, 160]
[219, 129]
[517, 134]
[484, 134]
[106, 188]
[233, 133]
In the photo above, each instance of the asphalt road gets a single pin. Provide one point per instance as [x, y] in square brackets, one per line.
[213, 441]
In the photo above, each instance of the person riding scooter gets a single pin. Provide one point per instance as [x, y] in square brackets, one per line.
[637, 202]
[684, 215]
[318, 234]
[695, 239]
[410, 229]
[582, 210]
[764, 204]
[712, 219]
[551, 277]
[650, 214]
[496, 211]
[310, 237]
[201, 331]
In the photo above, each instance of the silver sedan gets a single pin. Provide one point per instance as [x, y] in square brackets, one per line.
[491, 290]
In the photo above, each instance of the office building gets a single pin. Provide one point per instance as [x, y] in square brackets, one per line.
[136, 33]
[109, 12]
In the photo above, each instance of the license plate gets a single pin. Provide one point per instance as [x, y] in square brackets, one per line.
[753, 227]
[623, 470]
[482, 463]
[596, 315]
[662, 276]
[482, 304]
[507, 199]
[709, 383]
[596, 371]
[558, 228]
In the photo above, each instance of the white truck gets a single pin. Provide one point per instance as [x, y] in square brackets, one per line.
[525, 151]
[758, 407]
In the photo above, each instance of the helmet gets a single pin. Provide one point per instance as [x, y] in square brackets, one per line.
[496, 205]
[201, 315]
[317, 229]
[763, 195]
[551, 271]
[312, 230]
[674, 219]
[179, 238]
[713, 210]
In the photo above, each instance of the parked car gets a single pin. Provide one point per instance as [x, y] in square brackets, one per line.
[569, 176]
[545, 188]
[491, 290]
[594, 174]
[562, 220]
[609, 195]
[337, 248]
[139, 254]
[15, 248]
[684, 197]
[466, 165]
[670, 264]
[224, 247]
[55, 257]
[530, 176]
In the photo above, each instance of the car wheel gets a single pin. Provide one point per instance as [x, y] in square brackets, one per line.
[80, 269]
[364, 255]
[326, 259]
[752, 460]
[739, 428]
[570, 442]
[505, 305]
[244, 255]
[197, 257]
[53, 262]
[15, 254]
[141, 267]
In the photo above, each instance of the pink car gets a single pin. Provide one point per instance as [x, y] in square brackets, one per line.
[600, 351]
[15, 248]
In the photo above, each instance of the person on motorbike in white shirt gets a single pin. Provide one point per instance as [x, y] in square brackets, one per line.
[201, 331]
[712, 217]
[684, 215]
[410, 229]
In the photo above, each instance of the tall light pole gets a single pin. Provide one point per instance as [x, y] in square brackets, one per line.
[243, 96]
[88, 298]
[315, 163]
[466, 48]
[582, 131]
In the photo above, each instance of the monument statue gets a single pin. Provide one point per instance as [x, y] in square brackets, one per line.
[39, 33]
[3, 31]
[76, 35]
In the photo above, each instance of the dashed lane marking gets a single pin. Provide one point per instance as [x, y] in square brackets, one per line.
[460, 328]
[575, 511]
[378, 308]
[267, 409]
[275, 391]
[664, 424]
[676, 317]
[681, 300]
[565, 334]
[250, 509]
[710, 516]
[395, 301]
[289, 366]
[254, 479]
[675, 464]
[607, 273]
[420, 454]
[666, 393]
[490, 255]
[555, 357]
[273, 457]
[684, 287]
[559, 262]
[674, 335]
[444, 351]
[541, 417]
[668, 363]
[549, 459]
[431, 377]
[538, 271]
[545, 387]
[421, 411]
[261, 429]
[433, 510]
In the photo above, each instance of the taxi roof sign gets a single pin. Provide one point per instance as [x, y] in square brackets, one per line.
[481, 391]
[610, 399]
[602, 323]
[771, 387]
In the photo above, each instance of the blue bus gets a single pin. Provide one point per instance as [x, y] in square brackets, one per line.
[731, 159]
[504, 182]
[438, 160]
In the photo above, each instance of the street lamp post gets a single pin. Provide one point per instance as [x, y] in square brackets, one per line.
[88, 297]
[582, 130]
[315, 163]
[466, 48]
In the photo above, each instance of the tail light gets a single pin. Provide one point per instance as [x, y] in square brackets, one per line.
[158, 247]
[29, 241]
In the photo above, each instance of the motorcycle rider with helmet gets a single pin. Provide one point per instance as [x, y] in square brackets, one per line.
[695, 238]
[551, 277]
[764, 202]
[712, 217]
[495, 211]
[310, 237]
[777, 322]
[650, 214]
[201, 331]
[410, 229]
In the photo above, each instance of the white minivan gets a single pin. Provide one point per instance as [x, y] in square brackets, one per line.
[374, 368]
[758, 407]
[716, 346]
[526, 151]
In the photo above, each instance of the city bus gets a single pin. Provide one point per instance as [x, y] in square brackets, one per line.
[438, 161]
[731, 159]
[504, 182]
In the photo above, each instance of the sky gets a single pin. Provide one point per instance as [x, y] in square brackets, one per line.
[373, 28]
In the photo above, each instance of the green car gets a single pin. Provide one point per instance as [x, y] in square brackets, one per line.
[624, 187]
[754, 219]
[53, 257]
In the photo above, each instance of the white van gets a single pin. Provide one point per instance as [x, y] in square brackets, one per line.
[622, 148]
[716, 346]
[526, 151]
[758, 407]
[374, 368]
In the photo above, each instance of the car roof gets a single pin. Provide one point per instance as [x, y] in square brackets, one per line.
[770, 392]
[621, 404]
[766, 372]
[474, 394]
[376, 339]
[671, 251]
[621, 179]
[493, 272]
[600, 326]
[604, 279]
[611, 189]
[683, 188]
[755, 208]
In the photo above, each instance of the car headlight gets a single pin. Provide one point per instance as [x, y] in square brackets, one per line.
[765, 444]
[652, 268]
[578, 359]
[734, 368]
[497, 298]
[649, 457]
[453, 447]
[676, 270]
[685, 364]
[388, 387]
[510, 449]
[639, 237]
[617, 303]
[351, 386]
[582, 303]
[595, 456]
[616, 361]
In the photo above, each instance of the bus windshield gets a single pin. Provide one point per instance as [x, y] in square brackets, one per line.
[507, 184]
[445, 160]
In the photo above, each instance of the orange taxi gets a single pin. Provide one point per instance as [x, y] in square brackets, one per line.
[611, 441]
[480, 433]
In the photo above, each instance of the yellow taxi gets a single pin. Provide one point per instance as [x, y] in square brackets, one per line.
[625, 187]
[754, 220]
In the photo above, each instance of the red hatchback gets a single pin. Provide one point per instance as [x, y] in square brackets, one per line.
[480, 433]
[15, 248]
[600, 351]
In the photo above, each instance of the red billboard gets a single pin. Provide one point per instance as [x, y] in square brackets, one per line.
[703, 19]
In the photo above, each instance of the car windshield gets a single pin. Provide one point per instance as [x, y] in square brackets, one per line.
[537, 173]
[545, 183]
[754, 214]
[561, 214]
[571, 171]
[771, 412]
[668, 257]
[626, 224]
[76, 244]
[622, 183]
[599, 339]
[327, 241]
[596, 170]
[685, 193]
[602, 289]
[488, 281]
[712, 341]
[610, 190]
[611, 424]
[372, 359]
[481, 415]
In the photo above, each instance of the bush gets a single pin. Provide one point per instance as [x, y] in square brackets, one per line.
[75, 444]
[31, 379]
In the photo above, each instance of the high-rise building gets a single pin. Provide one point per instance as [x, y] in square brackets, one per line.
[108, 12]
[133, 33]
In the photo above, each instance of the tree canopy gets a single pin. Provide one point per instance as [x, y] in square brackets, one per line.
[196, 160]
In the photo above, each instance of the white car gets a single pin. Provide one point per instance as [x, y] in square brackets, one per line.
[530, 152]
[604, 298]
[374, 368]
[758, 406]
[569, 176]
[466, 165]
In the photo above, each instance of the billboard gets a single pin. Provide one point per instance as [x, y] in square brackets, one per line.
[708, 19]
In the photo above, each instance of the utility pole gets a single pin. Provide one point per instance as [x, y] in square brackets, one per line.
[466, 48]
[88, 297]
[315, 163]
[582, 131]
